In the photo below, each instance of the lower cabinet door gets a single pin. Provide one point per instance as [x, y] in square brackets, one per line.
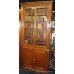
[28, 58]
[41, 60]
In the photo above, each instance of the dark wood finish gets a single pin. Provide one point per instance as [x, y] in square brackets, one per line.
[35, 56]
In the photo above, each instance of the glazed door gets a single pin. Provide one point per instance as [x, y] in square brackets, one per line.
[29, 23]
[41, 26]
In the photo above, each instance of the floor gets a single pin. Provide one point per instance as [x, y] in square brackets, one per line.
[22, 71]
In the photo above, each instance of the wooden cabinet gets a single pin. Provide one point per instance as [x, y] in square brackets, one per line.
[35, 34]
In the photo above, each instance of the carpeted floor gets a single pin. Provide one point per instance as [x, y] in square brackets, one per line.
[22, 71]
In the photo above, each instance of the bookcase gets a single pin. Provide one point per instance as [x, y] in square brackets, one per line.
[35, 35]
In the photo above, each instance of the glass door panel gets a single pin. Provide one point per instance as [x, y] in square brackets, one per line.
[41, 11]
[40, 37]
[29, 26]
[41, 26]
[29, 11]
